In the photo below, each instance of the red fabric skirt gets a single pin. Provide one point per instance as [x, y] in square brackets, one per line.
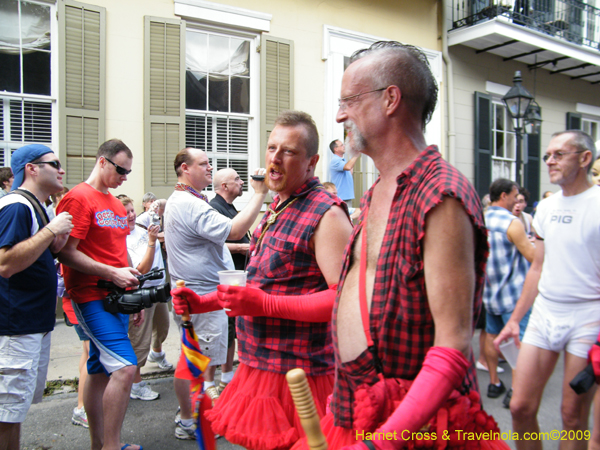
[338, 437]
[257, 412]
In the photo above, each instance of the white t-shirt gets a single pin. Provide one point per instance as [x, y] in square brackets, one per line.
[137, 244]
[570, 227]
[195, 235]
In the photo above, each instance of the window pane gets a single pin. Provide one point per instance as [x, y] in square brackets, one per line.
[240, 57]
[218, 54]
[511, 145]
[218, 93]
[10, 72]
[195, 90]
[36, 73]
[499, 117]
[35, 26]
[240, 95]
[499, 144]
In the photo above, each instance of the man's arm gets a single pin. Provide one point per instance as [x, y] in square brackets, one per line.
[20, 256]
[449, 268]
[246, 217]
[516, 234]
[329, 241]
[350, 164]
[237, 248]
[148, 259]
[528, 295]
[72, 257]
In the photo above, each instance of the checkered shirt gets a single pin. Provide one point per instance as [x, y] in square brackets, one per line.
[401, 324]
[284, 264]
[506, 268]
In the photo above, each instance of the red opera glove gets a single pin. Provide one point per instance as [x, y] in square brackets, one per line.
[248, 301]
[594, 359]
[443, 371]
[186, 300]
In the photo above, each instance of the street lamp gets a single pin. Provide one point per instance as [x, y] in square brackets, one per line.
[517, 101]
[533, 119]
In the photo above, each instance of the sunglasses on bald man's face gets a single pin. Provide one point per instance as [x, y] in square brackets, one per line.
[120, 170]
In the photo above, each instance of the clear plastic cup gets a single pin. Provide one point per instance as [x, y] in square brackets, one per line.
[510, 351]
[232, 277]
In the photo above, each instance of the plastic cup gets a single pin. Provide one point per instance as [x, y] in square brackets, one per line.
[232, 277]
[510, 351]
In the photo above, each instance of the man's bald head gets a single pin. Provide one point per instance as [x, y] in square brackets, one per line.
[223, 176]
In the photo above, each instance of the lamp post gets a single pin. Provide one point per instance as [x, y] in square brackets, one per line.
[517, 101]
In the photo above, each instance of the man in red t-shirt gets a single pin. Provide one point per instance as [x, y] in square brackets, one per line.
[97, 250]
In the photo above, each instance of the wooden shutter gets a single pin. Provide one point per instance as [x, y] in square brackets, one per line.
[573, 121]
[164, 97]
[483, 143]
[276, 84]
[81, 100]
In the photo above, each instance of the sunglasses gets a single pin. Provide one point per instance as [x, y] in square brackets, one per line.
[120, 170]
[55, 164]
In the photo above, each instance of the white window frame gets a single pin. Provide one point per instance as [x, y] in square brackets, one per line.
[9, 146]
[509, 131]
[337, 44]
[242, 23]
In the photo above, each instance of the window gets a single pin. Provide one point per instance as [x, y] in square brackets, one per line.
[218, 98]
[25, 78]
[503, 143]
[591, 127]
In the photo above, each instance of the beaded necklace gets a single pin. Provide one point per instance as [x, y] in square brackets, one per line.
[185, 187]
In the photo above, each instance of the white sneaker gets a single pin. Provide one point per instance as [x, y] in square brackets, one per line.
[79, 417]
[183, 432]
[485, 369]
[143, 392]
[161, 360]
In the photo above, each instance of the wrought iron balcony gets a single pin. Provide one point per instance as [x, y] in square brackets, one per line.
[570, 20]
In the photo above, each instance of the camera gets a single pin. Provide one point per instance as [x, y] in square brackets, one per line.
[155, 219]
[122, 301]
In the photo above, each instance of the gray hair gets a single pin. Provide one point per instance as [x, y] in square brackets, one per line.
[581, 141]
[407, 67]
[148, 197]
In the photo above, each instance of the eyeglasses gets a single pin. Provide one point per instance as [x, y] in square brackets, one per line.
[344, 101]
[559, 155]
[55, 164]
[120, 170]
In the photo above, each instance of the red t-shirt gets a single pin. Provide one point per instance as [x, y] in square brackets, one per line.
[100, 224]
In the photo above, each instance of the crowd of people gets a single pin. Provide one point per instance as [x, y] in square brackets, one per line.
[380, 314]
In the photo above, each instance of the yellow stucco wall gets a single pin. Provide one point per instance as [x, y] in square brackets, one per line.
[298, 20]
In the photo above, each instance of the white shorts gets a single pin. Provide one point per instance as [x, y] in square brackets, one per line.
[23, 366]
[211, 328]
[572, 327]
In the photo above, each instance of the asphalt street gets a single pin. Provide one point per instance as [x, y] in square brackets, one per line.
[151, 424]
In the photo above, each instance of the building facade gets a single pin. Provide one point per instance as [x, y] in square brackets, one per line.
[165, 74]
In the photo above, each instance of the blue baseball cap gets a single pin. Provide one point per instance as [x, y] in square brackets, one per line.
[23, 156]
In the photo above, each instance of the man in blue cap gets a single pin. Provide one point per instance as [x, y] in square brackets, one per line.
[27, 284]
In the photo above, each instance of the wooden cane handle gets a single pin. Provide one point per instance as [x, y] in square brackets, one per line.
[186, 315]
[305, 407]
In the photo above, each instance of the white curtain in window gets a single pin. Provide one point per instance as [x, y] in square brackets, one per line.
[231, 62]
[35, 27]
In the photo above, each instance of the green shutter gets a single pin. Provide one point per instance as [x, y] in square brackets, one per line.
[276, 84]
[164, 97]
[483, 143]
[573, 121]
[532, 168]
[81, 100]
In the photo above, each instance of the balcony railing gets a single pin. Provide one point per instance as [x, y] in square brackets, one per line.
[571, 20]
